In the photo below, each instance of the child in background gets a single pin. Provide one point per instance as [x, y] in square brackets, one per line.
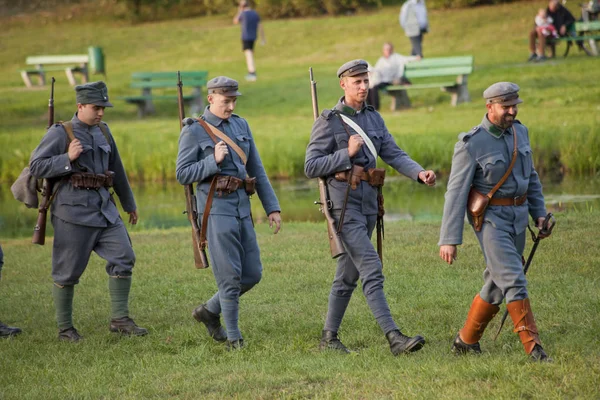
[544, 25]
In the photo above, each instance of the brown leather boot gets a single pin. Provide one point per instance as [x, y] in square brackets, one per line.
[520, 313]
[480, 314]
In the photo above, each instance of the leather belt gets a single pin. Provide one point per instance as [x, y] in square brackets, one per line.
[508, 201]
[89, 181]
[342, 176]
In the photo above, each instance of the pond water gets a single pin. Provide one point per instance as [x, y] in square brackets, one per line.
[161, 205]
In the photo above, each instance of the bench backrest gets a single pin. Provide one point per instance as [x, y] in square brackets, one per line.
[439, 66]
[170, 76]
[587, 26]
[67, 59]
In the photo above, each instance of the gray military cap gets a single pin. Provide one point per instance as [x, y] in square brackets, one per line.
[503, 93]
[223, 85]
[353, 68]
[95, 93]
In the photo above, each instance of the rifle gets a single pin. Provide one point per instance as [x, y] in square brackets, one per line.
[200, 259]
[547, 227]
[325, 205]
[39, 231]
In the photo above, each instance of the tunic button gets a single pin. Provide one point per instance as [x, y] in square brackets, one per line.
[67, 167]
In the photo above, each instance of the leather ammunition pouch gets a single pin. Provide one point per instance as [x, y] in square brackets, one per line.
[226, 184]
[89, 181]
[477, 203]
[374, 176]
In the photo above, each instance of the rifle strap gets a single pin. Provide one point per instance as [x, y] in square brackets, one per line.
[207, 207]
[510, 167]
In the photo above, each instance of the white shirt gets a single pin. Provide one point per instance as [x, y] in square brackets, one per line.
[389, 69]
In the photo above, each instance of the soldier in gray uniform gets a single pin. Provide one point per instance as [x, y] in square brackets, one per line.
[234, 252]
[481, 158]
[84, 214]
[335, 149]
[5, 330]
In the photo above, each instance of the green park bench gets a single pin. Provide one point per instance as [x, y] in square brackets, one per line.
[434, 73]
[586, 32]
[72, 64]
[164, 82]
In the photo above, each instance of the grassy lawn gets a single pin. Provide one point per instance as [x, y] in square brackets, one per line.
[282, 317]
[561, 104]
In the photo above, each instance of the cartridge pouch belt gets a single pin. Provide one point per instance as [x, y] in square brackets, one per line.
[508, 201]
[227, 184]
[374, 176]
[89, 181]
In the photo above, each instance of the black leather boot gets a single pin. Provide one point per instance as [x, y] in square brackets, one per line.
[126, 326]
[235, 344]
[460, 347]
[8, 331]
[330, 341]
[400, 343]
[211, 321]
[538, 354]
[69, 335]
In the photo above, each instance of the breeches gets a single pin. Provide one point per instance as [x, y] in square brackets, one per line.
[234, 254]
[361, 259]
[73, 245]
[503, 276]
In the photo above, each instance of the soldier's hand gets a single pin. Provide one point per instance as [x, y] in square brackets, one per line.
[354, 144]
[448, 253]
[75, 149]
[428, 177]
[133, 217]
[275, 218]
[221, 151]
[544, 233]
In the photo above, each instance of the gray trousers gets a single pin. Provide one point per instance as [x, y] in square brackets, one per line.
[73, 246]
[416, 43]
[360, 261]
[503, 276]
[235, 259]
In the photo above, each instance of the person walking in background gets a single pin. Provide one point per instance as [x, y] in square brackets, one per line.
[218, 153]
[249, 21]
[344, 146]
[84, 215]
[5, 330]
[389, 70]
[483, 158]
[413, 19]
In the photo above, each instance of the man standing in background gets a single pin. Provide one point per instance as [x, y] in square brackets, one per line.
[413, 19]
[249, 21]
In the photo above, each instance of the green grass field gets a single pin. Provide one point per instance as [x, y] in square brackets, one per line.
[282, 317]
[561, 107]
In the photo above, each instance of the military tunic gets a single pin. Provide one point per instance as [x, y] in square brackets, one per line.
[85, 220]
[481, 157]
[327, 153]
[234, 252]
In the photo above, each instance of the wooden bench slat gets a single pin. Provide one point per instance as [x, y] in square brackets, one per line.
[170, 75]
[436, 72]
[587, 26]
[67, 59]
[436, 62]
[420, 86]
[166, 84]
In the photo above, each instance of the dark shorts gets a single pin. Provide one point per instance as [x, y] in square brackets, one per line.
[248, 45]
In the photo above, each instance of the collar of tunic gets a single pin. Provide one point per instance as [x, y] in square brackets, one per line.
[212, 118]
[494, 130]
[344, 109]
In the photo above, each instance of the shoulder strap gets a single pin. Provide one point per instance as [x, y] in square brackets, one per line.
[104, 130]
[215, 133]
[359, 130]
[68, 126]
[510, 167]
[207, 207]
